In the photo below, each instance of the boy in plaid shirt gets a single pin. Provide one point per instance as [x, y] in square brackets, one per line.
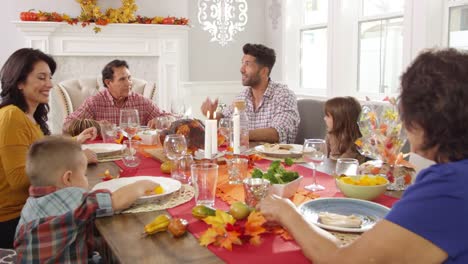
[57, 221]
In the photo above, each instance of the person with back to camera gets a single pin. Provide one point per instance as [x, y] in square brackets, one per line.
[26, 81]
[428, 224]
[341, 117]
[57, 221]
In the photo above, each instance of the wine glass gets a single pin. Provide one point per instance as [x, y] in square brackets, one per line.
[129, 125]
[314, 151]
[225, 127]
[178, 108]
[175, 147]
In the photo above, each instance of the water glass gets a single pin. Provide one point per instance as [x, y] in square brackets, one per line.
[175, 147]
[164, 122]
[204, 179]
[255, 189]
[237, 170]
[130, 156]
[184, 166]
[346, 166]
[225, 128]
[314, 151]
[109, 132]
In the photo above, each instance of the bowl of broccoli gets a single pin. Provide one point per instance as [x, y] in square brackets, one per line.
[283, 182]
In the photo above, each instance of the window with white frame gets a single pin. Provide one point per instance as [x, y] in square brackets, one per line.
[313, 38]
[458, 24]
[380, 45]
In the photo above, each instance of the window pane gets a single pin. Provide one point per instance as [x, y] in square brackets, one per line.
[316, 11]
[380, 55]
[379, 7]
[314, 59]
[458, 33]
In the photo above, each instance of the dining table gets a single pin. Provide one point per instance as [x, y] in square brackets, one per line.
[124, 241]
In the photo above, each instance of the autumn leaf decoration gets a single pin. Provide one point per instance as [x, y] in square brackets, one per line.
[224, 231]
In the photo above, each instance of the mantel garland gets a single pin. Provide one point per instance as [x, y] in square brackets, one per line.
[91, 13]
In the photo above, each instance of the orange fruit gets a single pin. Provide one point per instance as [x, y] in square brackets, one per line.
[166, 167]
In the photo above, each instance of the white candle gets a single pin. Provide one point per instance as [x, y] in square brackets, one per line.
[236, 131]
[214, 139]
[208, 132]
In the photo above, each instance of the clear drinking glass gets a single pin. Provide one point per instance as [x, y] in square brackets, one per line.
[255, 189]
[204, 179]
[346, 166]
[129, 125]
[237, 170]
[175, 147]
[314, 151]
[130, 157]
[185, 168]
[225, 128]
[109, 131]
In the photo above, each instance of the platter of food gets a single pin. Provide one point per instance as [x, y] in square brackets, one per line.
[343, 214]
[280, 150]
[168, 186]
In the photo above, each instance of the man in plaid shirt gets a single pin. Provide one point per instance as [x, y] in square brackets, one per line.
[57, 221]
[271, 107]
[107, 103]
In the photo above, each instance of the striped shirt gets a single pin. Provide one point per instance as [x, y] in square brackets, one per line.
[101, 106]
[57, 226]
[277, 110]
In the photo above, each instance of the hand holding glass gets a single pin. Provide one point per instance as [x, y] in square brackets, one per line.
[314, 151]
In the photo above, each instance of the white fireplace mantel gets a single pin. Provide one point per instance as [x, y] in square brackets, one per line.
[166, 44]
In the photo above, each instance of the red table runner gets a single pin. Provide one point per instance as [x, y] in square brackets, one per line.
[273, 248]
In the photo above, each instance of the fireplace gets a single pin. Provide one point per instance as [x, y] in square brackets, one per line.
[156, 53]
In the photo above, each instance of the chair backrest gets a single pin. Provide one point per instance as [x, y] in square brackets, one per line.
[68, 95]
[312, 124]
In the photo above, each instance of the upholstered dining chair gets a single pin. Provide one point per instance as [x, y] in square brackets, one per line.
[68, 95]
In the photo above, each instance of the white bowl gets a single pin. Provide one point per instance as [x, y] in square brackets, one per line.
[286, 190]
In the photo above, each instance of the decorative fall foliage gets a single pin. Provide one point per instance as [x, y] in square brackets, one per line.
[225, 231]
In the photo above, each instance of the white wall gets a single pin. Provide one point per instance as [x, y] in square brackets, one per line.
[209, 61]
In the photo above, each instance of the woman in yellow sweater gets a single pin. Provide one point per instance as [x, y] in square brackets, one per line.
[26, 80]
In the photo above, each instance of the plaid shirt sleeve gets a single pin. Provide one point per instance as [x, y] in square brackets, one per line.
[63, 238]
[286, 118]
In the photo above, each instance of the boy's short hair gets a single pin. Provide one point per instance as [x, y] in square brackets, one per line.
[50, 157]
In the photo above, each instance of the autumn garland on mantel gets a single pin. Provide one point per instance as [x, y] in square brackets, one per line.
[91, 13]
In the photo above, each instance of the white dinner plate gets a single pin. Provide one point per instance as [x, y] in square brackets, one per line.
[294, 152]
[169, 185]
[103, 148]
[369, 212]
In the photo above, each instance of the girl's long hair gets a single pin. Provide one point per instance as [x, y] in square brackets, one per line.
[345, 113]
[14, 72]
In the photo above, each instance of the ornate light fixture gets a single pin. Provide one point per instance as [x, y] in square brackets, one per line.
[222, 18]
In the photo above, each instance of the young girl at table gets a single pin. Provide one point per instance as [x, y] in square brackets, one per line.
[56, 224]
[341, 116]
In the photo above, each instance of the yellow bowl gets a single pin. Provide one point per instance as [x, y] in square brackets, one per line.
[364, 192]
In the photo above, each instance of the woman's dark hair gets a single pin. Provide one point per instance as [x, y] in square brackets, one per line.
[434, 96]
[263, 55]
[345, 113]
[108, 71]
[14, 72]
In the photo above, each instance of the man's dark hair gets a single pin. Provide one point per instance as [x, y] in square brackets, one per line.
[434, 94]
[263, 55]
[108, 71]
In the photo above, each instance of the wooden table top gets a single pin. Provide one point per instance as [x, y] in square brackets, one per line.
[122, 233]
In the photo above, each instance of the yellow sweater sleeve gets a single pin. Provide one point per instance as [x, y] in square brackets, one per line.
[17, 134]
